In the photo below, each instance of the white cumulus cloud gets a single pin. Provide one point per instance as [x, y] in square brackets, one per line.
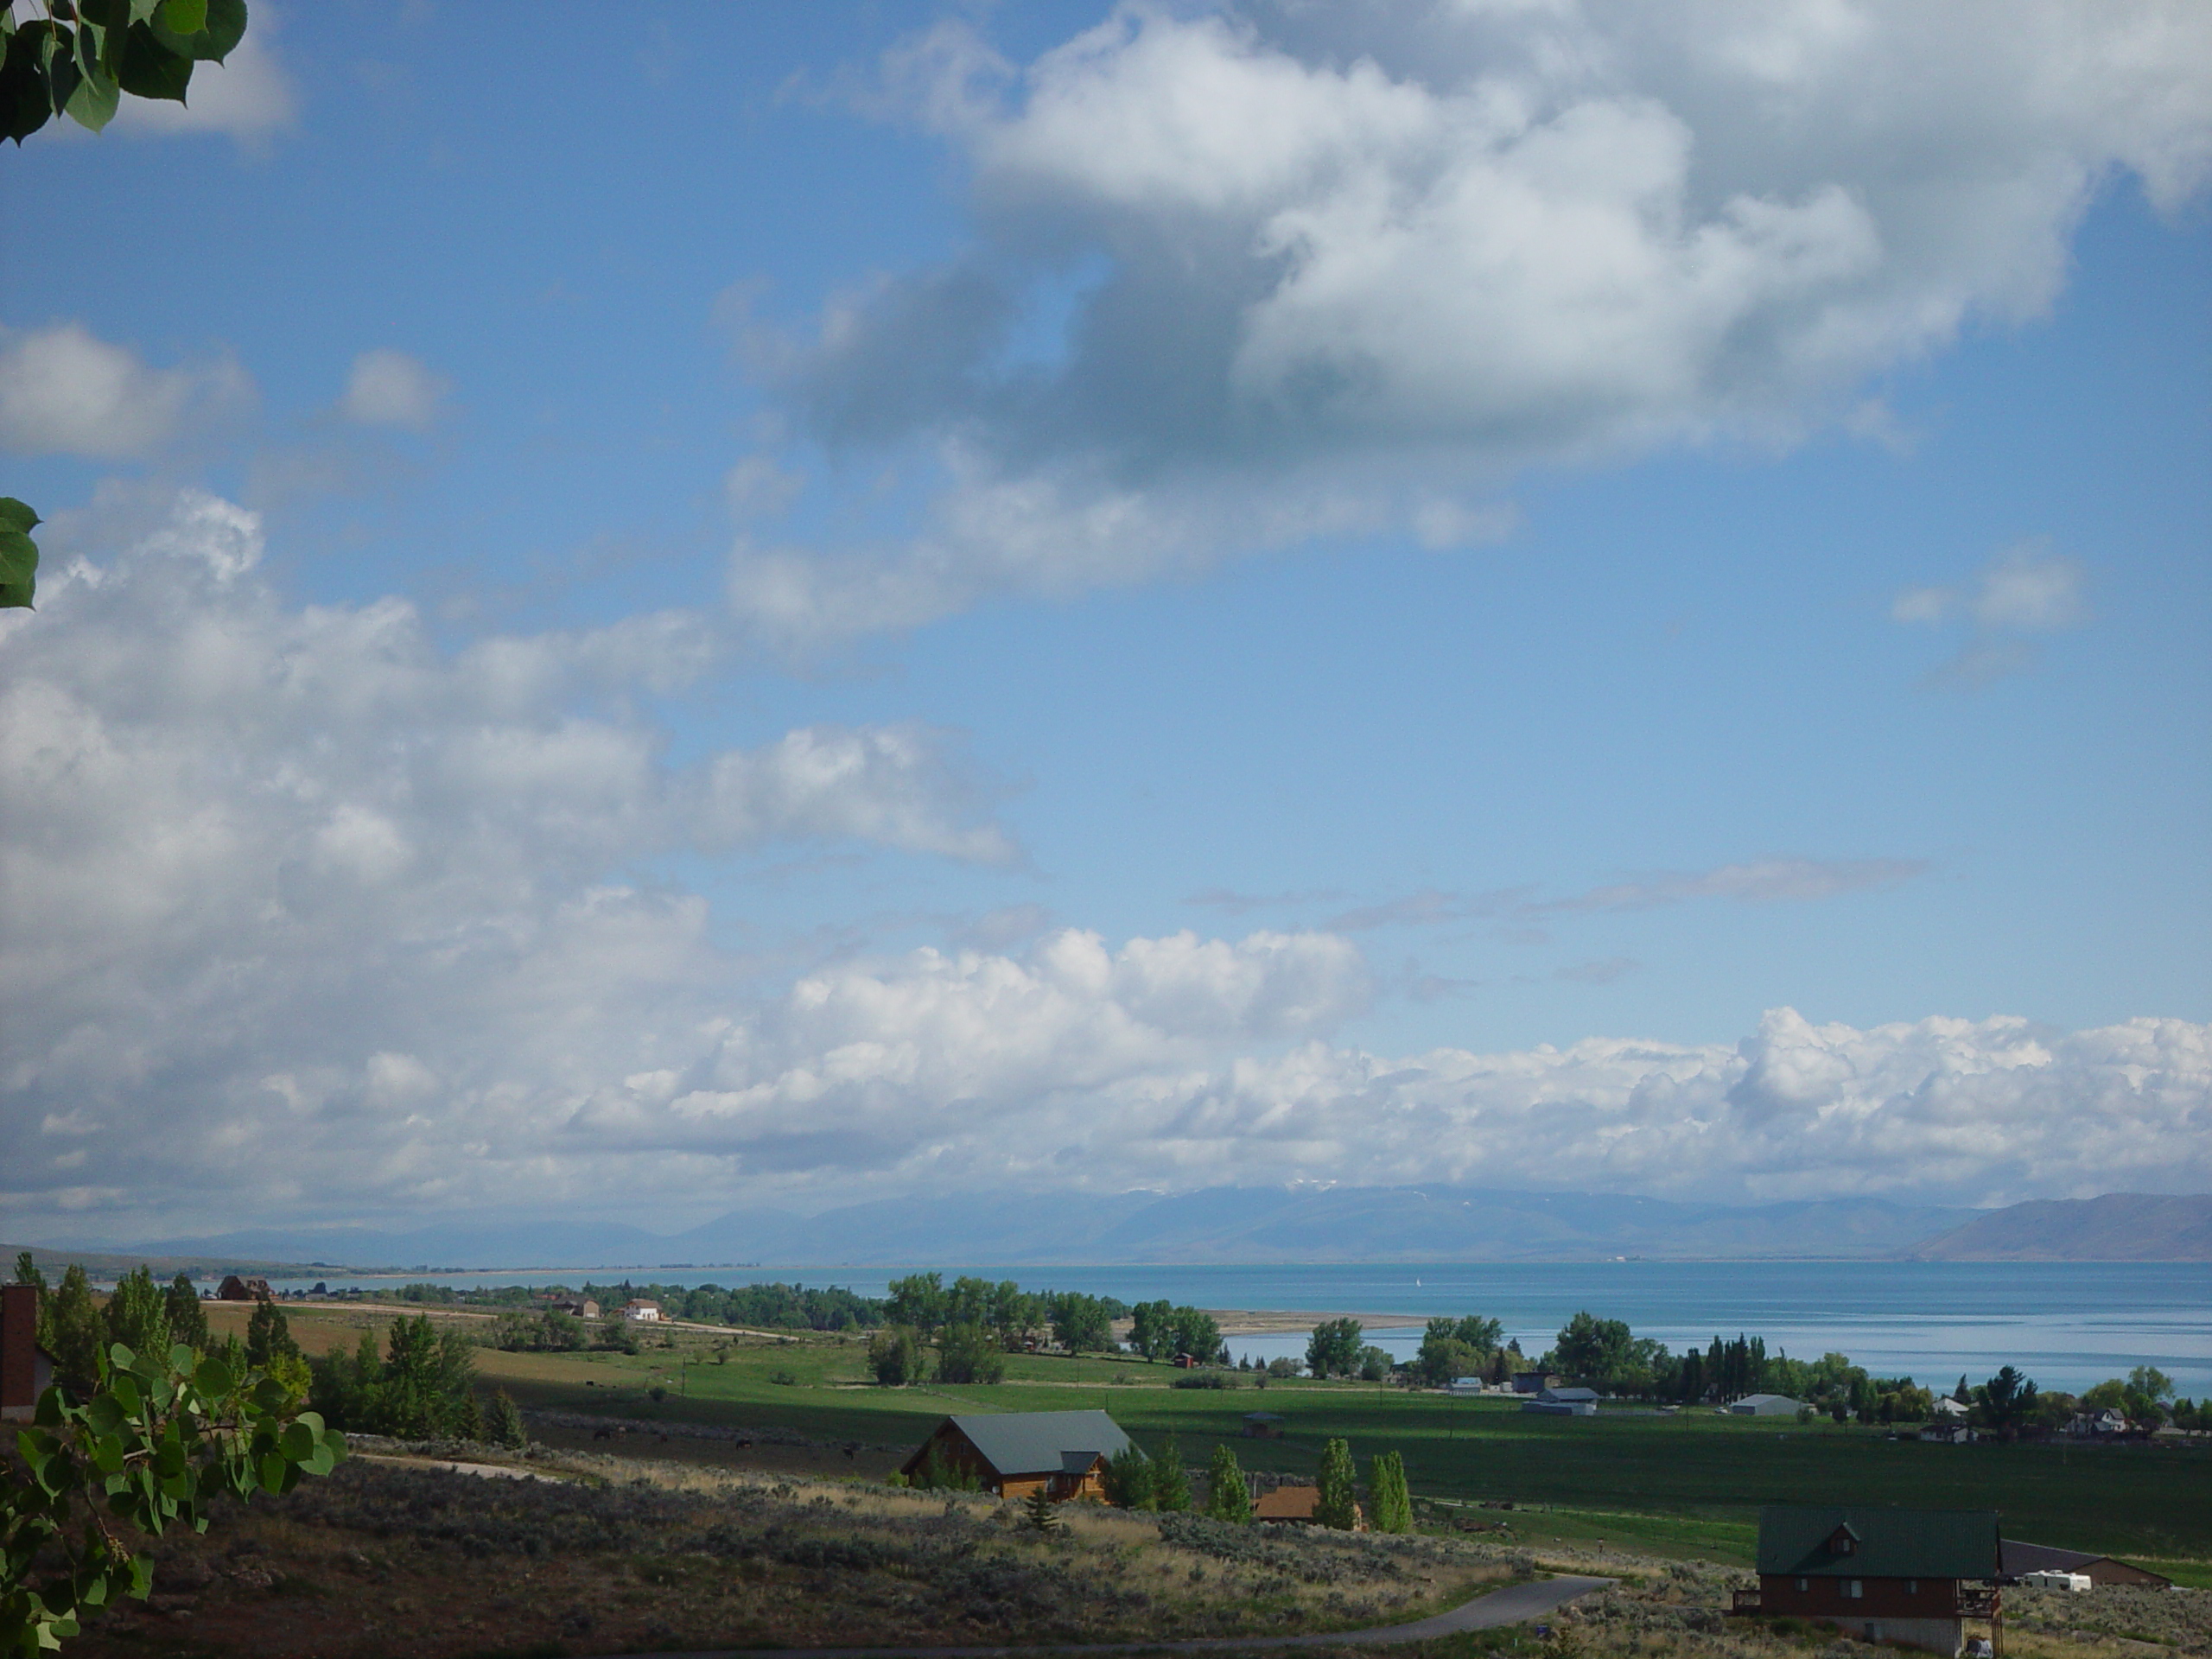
[1335, 269]
[66, 391]
[389, 388]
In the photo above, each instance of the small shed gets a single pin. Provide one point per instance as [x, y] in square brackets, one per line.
[1535, 1381]
[1466, 1385]
[235, 1289]
[1563, 1403]
[1262, 1426]
[26, 1369]
[2021, 1561]
[1014, 1454]
[581, 1307]
[1764, 1405]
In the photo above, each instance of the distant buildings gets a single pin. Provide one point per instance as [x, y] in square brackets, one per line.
[1563, 1403]
[1764, 1405]
[1535, 1381]
[235, 1289]
[641, 1312]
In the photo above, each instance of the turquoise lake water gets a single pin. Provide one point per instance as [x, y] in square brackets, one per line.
[2067, 1324]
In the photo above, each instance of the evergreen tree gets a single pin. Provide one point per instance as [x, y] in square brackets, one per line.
[73, 1331]
[138, 1314]
[1041, 1513]
[187, 1320]
[268, 1334]
[1337, 1506]
[502, 1423]
[1170, 1482]
[27, 1272]
[1392, 1503]
[1129, 1479]
[1228, 1498]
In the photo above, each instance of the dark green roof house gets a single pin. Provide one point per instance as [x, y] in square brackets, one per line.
[1911, 1577]
[1014, 1454]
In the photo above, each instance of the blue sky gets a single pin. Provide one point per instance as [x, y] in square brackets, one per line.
[797, 604]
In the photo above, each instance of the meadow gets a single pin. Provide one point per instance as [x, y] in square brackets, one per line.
[1683, 1486]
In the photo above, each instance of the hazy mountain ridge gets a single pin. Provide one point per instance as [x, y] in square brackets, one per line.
[2117, 1227]
[1256, 1226]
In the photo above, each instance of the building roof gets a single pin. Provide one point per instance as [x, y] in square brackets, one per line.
[1755, 1400]
[1569, 1397]
[1886, 1543]
[1263, 1417]
[1042, 1442]
[1288, 1503]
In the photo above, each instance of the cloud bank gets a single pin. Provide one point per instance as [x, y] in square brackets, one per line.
[66, 391]
[310, 919]
[1242, 280]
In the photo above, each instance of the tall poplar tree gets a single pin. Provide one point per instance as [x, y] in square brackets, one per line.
[1391, 1503]
[1337, 1507]
[1228, 1498]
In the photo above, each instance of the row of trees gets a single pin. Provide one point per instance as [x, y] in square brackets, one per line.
[1082, 1324]
[1159, 1330]
[1134, 1481]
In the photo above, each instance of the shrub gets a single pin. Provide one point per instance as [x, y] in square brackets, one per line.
[895, 1356]
[1203, 1380]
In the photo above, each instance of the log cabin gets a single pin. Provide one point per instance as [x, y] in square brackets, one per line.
[1014, 1454]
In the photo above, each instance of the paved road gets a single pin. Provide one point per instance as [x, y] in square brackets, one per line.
[1511, 1605]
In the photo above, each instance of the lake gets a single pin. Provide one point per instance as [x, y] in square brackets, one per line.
[2067, 1324]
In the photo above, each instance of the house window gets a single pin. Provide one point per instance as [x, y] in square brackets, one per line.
[1912, 1586]
[1803, 1585]
[1854, 1589]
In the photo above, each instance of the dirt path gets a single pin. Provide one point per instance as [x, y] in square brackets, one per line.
[1511, 1605]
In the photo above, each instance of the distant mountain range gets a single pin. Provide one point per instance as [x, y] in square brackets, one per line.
[2117, 1227]
[1258, 1225]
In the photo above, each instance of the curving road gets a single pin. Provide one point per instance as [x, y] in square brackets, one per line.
[1511, 1605]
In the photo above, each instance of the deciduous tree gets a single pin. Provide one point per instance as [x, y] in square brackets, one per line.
[1228, 1498]
[1170, 1482]
[1337, 1505]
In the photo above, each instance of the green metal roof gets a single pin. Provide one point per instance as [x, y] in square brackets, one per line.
[1042, 1442]
[1885, 1543]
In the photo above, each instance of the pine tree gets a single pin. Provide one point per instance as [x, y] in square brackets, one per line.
[502, 1423]
[1129, 1479]
[138, 1314]
[187, 1320]
[268, 1334]
[1228, 1498]
[1337, 1506]
[1041, 1512]
[1392, 1505]
[73, 1331]
[27, 1272]
[1170, 1482]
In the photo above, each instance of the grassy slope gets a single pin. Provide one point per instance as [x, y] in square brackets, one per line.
[1690, 1484]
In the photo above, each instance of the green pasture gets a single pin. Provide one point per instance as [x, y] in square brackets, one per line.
[1690, 1484]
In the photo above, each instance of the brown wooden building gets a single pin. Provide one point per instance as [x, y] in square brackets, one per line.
[1014, 1454]
[235, 1289]
[26, 1369]
[2019, 1559]
[1911, 1577]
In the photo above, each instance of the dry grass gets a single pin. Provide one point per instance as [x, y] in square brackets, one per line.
[613, 1555]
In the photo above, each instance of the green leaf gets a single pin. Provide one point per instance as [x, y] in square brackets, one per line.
[17, 515]
[225, 29]
[147, 68]
[185, 18]
[273, 1473]
[18, 570]
[214, 1378]
[26, 104]
[57, 57]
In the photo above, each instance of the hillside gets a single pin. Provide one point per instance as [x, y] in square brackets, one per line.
[2117, 1227]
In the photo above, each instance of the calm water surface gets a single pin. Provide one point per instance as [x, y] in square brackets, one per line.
[2067, 1324]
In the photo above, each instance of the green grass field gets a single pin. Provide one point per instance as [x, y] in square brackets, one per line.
[1688, 1484]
